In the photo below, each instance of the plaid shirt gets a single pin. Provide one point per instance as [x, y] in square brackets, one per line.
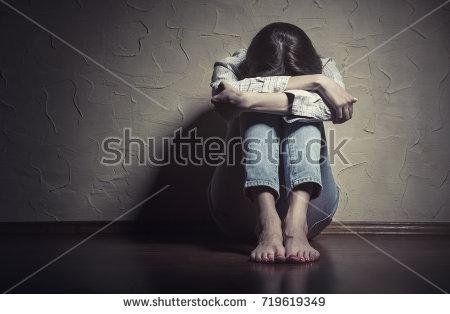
[305, 105]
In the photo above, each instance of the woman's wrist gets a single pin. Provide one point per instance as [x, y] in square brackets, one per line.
[322, 82]
[318, 81]
[247, 101]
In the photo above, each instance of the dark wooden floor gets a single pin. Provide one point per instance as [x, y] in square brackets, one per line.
[145, 264]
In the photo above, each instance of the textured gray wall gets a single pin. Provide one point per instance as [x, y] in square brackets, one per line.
[56, 106]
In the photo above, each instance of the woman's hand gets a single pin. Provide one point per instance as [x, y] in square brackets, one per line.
[340, 102]
[229, 99]
[230, 102]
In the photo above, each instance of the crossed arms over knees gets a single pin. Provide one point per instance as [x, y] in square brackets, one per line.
[318, 97]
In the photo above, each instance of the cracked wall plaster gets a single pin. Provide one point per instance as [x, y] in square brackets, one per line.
[56, 106]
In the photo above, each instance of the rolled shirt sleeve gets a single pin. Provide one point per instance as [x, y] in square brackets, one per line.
[310, 106]
[307, 106]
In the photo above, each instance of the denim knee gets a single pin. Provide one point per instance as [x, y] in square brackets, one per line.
[261, 152]
[301, 150]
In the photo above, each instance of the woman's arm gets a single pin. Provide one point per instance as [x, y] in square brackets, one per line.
[226, 71]
[231, 97]
[304, 101]
[327, 98]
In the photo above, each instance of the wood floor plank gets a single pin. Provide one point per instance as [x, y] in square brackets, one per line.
[210, 264]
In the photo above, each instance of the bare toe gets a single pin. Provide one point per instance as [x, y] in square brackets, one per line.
[265, 258]
[296, 242]
[305, 254]
[280, 258]
[258, 257]
[269, 248]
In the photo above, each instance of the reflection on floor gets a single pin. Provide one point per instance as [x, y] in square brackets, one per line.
[209, 264]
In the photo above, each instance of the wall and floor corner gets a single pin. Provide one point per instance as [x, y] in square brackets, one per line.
[57, 106]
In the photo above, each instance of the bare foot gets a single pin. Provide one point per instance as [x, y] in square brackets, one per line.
[270, 243]
[298, 249]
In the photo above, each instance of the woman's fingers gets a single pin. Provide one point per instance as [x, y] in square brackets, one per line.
[346, 113]
[220, 98]
[339, 113]
[228, 95]
[341, 103]
[343, 113]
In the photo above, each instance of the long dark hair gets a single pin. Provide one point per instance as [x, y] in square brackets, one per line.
[280, 49]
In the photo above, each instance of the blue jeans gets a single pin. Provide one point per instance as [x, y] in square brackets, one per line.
[274, 148]
[280, 167]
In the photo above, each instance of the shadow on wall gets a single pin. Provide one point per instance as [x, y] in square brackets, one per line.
[185, 202]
